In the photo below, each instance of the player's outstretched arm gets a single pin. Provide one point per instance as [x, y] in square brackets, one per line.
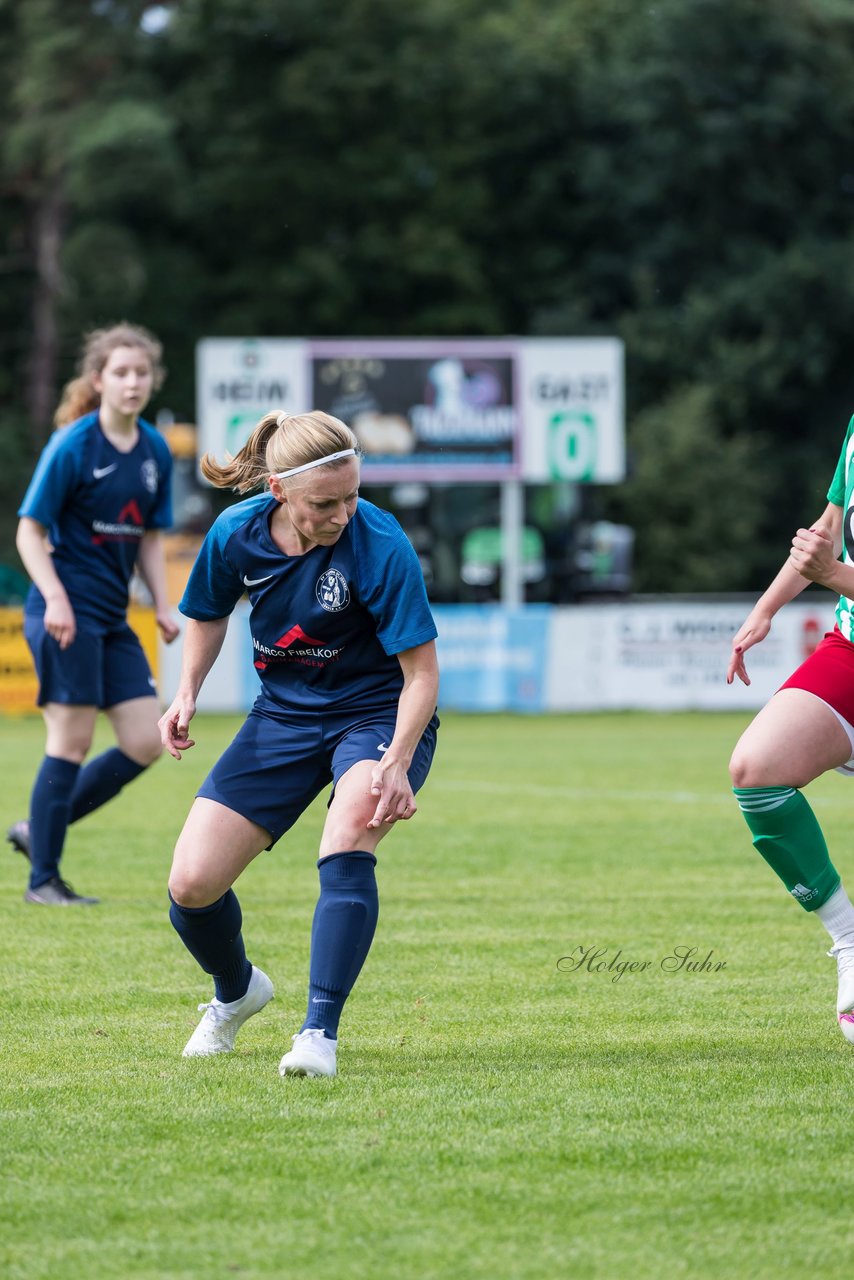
[202, 643]
[415, 708]
[813, 550]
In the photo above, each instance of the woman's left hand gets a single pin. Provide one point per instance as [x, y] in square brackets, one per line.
[390, 783]
[167, 626]
[813, 555]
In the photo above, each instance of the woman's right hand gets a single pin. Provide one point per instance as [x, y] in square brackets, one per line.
[751, 632]
[59, 619]
[174, 725]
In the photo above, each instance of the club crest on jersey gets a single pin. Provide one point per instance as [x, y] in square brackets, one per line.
[332, 591]
[148, 473]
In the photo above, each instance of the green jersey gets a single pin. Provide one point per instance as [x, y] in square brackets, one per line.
[841, 494]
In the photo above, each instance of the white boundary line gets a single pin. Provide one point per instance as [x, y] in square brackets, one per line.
[485, 787]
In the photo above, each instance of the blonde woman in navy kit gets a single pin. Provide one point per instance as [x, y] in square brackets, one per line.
[343, 643]
[92, 514]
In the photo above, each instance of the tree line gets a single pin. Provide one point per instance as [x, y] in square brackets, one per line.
[678, 173]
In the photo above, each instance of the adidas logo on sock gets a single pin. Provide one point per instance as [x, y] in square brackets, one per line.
[802, 893]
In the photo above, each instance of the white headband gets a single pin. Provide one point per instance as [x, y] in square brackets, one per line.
[318, 462]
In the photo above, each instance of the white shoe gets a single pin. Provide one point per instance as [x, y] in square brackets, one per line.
[844, 957]
[312, 1055]
[221, 1023]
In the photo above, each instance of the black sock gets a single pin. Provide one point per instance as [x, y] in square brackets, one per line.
[101, 779]
[213, 937]
[50, 807]
[345, 920]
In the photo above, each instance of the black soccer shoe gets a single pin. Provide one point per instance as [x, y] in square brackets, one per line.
[56, 893]
[18, 836]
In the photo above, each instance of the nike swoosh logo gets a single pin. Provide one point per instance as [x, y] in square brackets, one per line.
[317, 1000]
[382, 746]
[100, 472]
[253, 582]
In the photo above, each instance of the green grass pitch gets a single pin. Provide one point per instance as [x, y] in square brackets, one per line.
[497, 1113]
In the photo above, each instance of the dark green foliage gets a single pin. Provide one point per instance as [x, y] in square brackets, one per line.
[695, 494]
[679, 173]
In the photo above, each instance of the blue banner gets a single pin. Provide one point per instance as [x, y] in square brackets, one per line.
[493, 659]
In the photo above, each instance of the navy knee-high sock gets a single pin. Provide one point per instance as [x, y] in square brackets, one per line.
[101, 779]
[50, 806]
[345, 920]
[213, 937]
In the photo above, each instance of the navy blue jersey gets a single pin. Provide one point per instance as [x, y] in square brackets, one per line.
[325, 625]
[96, 504]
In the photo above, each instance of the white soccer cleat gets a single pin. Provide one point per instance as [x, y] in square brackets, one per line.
[312, 1055]
[221, 1023]
[844, 957]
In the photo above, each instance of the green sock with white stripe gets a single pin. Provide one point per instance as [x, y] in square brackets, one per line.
[786, 833]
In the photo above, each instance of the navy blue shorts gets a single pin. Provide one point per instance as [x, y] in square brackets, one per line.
[96, 670]
[277, 764]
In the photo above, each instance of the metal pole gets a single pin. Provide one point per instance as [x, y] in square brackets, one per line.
[512, 520]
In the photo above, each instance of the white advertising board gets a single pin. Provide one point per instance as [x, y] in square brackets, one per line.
[238, 380]
[672, 656]
[431, 409]
[571, 400]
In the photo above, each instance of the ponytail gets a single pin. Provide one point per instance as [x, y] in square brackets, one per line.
[247, 470]
[78, 397]
[280, 442]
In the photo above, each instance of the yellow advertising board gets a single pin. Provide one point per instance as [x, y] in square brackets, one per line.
[18, 684]
[141, 620]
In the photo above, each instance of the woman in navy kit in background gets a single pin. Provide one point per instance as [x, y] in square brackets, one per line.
[91, 515]
[343, 643]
